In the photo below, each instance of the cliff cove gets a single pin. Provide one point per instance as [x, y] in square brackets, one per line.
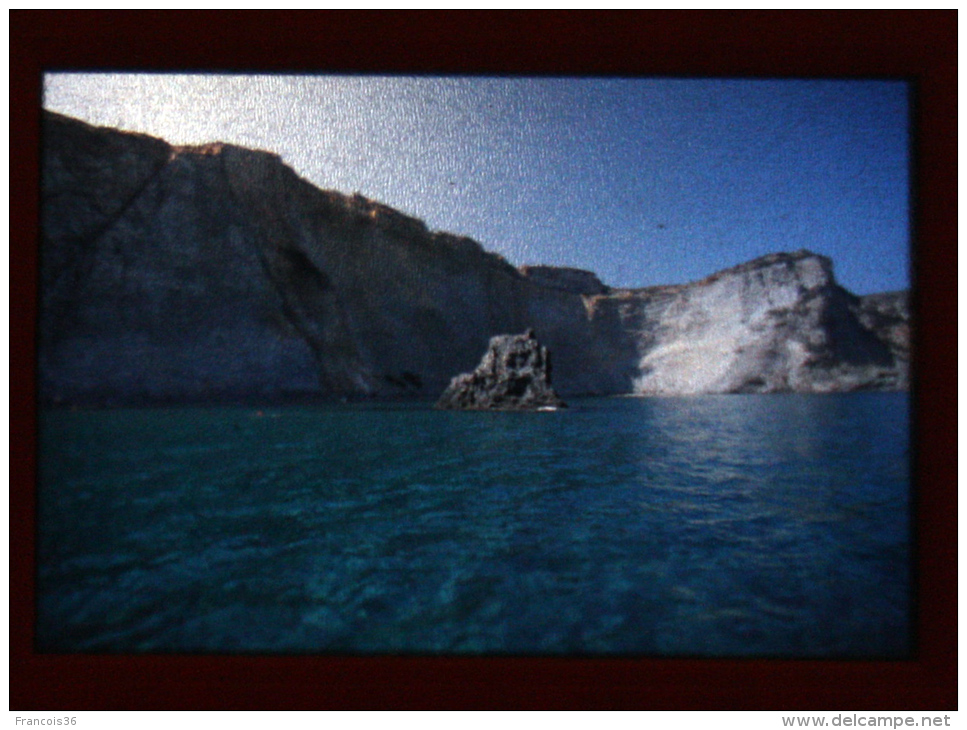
[215, 274]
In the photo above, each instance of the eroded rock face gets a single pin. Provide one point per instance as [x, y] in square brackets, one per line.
[888, 316]
[514, 375]
[777, 323]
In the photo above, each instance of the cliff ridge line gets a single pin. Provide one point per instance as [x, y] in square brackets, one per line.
[214, 272]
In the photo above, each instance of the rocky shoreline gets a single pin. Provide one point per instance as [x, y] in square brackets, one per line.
[216, 274]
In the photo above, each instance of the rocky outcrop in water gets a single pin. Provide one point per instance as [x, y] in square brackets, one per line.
[213, 273]
[514, 375]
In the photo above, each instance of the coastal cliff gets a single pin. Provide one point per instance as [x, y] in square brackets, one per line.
[215, 273]
[777, 323]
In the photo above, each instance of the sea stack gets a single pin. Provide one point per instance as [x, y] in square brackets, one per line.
[514, 375]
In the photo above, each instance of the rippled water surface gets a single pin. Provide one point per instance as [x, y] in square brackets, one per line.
[724, 525]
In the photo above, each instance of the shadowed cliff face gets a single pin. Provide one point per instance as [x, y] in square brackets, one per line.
[215, 273]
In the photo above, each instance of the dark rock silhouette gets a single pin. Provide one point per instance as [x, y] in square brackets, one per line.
[514, 375]
[576, 281]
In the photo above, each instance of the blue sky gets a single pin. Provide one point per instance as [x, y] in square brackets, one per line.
[644, 181]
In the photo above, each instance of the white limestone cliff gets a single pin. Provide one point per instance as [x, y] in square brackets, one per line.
[777, 323]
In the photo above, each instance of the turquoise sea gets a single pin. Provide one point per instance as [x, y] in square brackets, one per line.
[752, 525]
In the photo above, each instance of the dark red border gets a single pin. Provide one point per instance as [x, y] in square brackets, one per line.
[918, 45]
